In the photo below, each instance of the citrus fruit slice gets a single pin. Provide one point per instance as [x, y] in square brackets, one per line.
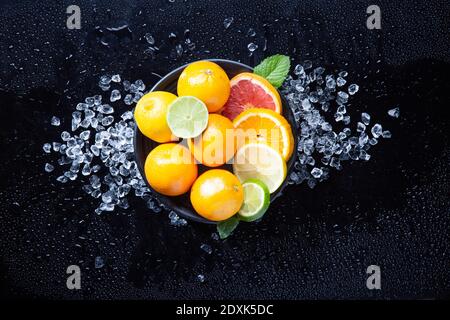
[217, 195]
[187, 117]
[259, 161]
[150, 115]
[249, 90]
[170, 169]
[265, 126]
[207, 81]
[256, 200]
[216, 145]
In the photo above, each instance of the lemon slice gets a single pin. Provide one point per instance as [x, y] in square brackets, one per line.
[259, 161]
[256, 200]
[187, 117]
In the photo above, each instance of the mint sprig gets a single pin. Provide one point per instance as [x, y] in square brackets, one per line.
[274, 68]
[226, 227]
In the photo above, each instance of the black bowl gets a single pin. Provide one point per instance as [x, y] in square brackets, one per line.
[143, 145]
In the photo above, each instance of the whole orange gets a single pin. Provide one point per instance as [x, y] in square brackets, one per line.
[217, 195]
[217, 144]
[206, 81]
[170, 169]
[150, 116]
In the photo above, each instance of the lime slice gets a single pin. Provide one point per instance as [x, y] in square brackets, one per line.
[256, 200]
[259, 161]
[187, 117]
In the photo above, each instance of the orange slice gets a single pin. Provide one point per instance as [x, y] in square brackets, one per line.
[259, 125]
[249, 90]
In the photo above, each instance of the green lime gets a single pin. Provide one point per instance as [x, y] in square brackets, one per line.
[256, 200]
[187, 117]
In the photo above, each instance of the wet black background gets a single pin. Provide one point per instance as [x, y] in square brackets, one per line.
[392, 211]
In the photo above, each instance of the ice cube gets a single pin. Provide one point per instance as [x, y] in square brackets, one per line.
[352, 89]
[360, 127]
[55, 121]
[116, 78]
[365, 118]
[99, 262]
[207, 248]
[105, 109]
[227, 22]
[48, 167]
[377, 130]
[115, 95]
[149, 38]
[395, 112]
[128, 99]
[252, 47]
[386, 134]
[47, 147]
[85, 135]
[340, 81]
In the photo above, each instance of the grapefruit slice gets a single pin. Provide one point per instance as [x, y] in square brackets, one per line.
[249, 90]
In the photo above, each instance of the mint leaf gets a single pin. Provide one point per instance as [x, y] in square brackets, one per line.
[226, 227]
[274, 68]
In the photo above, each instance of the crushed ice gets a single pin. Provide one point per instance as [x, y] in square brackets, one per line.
[319, 104]
[100, 150]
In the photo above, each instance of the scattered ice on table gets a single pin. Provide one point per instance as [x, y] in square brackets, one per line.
[128, 100]
[99, 262]
[251, 32]
[395, 112]
[190, 45]
[115, 95]
[201, 278]
[316, 172]
[116, 78]
[104, 82]
[227, 22]
[105, 109]
[56, 146]
[252, 47]
[109, 141]
[55, 121]
[62, 179]
[215, 236]
[352, 89]
[207, 248]
[48, 167]
[340, 81]
[386, 134]
[149, 38]
[312, 97]
[85, 135]
[139, 85]
[360, 127]
[47, 147]
[175, 220]
[179, 50]
[126, 85]
[299, 70]
[365, 118]
[377, 130]
[307, 64]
